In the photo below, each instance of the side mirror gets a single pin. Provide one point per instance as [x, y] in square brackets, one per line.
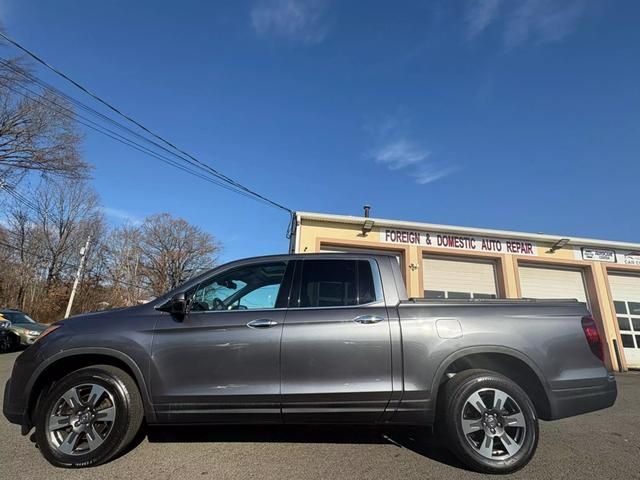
[177, 306]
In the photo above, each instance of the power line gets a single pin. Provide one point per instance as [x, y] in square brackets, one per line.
[215, 172]
[119, 138]
[87, 122]
[18, 197]
[33, 254]
[46, 86]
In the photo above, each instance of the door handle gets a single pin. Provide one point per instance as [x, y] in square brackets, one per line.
[366, 319]
[262, 323]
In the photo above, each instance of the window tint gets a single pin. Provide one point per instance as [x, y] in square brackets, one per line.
[366, 286]
[245, 288]
[434, 294]
[459, 295]
[18, 317]
[328, 283]
[621, 307]
[624, 324]
[336, 283]
[484, 295]
[627, 341]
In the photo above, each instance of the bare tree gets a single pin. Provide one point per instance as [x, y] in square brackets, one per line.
[37, 134]
[68, 212]
[123, 266]
[173, 250]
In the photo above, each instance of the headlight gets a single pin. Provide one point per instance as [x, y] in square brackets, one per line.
[33, 333]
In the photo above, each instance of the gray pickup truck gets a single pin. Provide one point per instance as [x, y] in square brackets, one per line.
[304, 339]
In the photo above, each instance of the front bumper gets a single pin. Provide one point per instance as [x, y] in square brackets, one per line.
[568, 402]
[14, 413]
[15, 405]
[26, 339]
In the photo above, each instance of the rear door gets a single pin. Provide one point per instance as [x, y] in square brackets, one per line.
[336, 347]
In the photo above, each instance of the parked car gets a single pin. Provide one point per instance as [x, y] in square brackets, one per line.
[5, 335]
[308, 339]
[23, 330]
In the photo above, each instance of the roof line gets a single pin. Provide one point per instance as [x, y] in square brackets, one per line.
[350, 219]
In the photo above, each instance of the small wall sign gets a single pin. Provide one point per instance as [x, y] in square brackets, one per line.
[598, 254]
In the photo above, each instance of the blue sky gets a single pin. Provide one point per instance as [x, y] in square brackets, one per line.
[520, 115]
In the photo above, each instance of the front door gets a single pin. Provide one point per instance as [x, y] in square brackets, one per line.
[222, 361]
[336, 347]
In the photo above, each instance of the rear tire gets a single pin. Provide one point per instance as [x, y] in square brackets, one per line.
[489, 421]
[88, 417]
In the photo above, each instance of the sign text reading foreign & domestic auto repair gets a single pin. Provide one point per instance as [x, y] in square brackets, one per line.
[458, 242]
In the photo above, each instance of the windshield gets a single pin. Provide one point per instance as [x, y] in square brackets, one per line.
[17, 317]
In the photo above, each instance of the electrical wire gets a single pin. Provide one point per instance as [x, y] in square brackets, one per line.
[140, 125]
[87, 122]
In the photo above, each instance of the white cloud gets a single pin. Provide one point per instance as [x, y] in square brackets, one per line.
[542, 21]
[121, 215]
[480, 14]
[538, 21]
[399, 153]
[302, 20]
[428, 173]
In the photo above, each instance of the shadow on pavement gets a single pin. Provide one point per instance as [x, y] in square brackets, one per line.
[420, 441]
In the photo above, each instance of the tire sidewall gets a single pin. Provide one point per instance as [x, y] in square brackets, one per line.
[119, 429]
[462, 446]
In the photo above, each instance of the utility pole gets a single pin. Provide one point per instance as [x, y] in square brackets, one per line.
[83, 253]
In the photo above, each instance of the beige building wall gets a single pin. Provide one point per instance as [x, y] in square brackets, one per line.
[315, 232]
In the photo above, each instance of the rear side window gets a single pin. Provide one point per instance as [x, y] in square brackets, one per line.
[336, 283]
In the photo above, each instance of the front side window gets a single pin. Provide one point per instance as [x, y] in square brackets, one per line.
[18, 318]
[250, 287]
[336, 283]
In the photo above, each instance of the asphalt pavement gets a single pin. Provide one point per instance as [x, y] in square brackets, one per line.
[599, 445]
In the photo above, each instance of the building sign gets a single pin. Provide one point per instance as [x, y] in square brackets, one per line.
[632, 258]
[599, 254]
[625, 257]
[459, 242]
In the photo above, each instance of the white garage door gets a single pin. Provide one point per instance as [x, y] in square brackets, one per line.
[626, 298]
[372, 251]
[540, 282]
[448, 278]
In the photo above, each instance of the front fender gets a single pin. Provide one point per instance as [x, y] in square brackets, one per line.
[107, 353]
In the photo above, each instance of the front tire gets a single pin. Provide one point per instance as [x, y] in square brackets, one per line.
[489, 421]
[8, 342]
[88, 417]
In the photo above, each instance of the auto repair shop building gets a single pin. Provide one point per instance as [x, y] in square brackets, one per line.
[442, 261]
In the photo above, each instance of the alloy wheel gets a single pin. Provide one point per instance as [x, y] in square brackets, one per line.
[81, 419]
[493, 423]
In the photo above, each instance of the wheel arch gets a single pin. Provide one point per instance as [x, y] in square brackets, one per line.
[67, 361]
[508, 362]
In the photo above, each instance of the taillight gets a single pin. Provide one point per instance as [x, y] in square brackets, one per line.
[593, 337]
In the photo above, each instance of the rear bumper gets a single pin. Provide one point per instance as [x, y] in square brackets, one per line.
[568, 402]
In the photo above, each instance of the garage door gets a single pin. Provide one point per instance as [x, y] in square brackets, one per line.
[539, 282]
[449, 278]
[372, 251]
[625, 290]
